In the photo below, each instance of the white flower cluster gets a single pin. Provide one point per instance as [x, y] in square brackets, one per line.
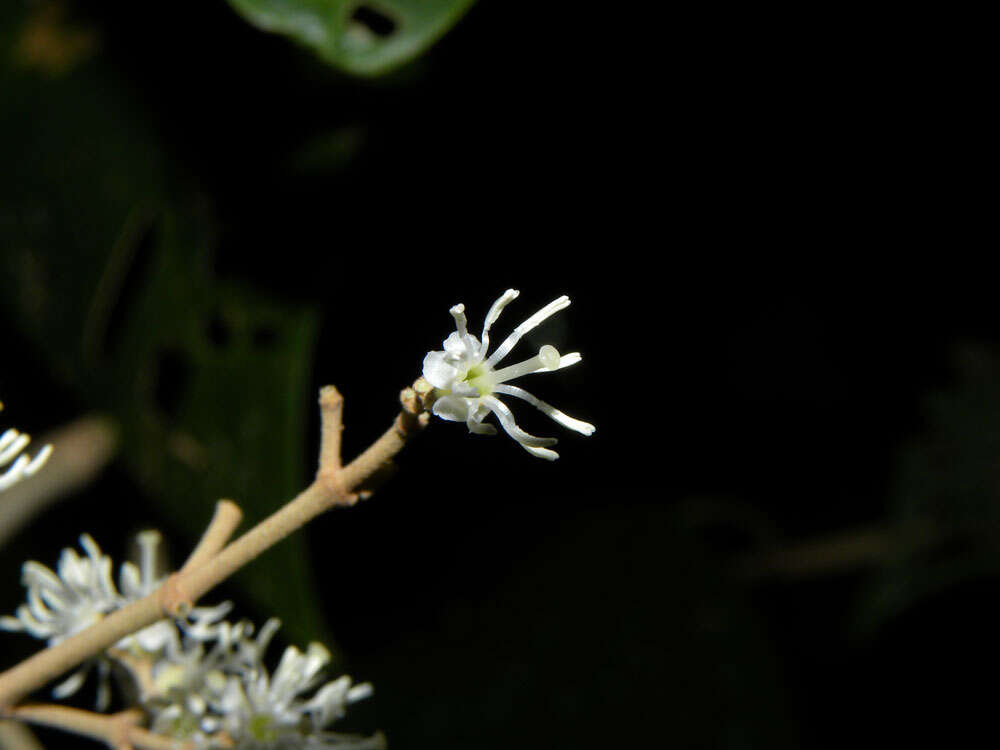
[467, 382]
[201, 679]
[12, 445]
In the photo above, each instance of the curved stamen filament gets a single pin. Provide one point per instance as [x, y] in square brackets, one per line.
[491, 318]
[550, 309]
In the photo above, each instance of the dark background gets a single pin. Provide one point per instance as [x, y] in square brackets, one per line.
[737, 203]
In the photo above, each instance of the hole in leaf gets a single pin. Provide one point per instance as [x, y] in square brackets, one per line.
[218, 330]
[265, 337]
[377, 22]
[172, 379]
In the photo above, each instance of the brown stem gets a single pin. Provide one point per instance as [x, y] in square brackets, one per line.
[118, 731]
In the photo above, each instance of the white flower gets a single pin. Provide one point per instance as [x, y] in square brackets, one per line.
[139, 581]
[267, 712]
[467, 381]
[12, 445]
[62, 605]
[186, 684]
[59, 606]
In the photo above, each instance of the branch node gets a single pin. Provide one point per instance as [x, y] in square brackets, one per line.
[174, 600]
[329, 479]
[120, 727]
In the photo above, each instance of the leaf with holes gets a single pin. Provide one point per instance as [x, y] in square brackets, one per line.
[111, 282]
[365, 37]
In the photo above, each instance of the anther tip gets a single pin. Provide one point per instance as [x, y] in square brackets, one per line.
[549, 356]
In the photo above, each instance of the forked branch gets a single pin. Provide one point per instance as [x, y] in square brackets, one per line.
[209, 565]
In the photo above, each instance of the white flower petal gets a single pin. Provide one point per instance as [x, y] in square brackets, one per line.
[461, 347]
[464, 390]
[452, 408]
[438, 371]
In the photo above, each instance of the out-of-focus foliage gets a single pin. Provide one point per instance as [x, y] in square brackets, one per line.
[106, 269]
[946, 494]
[679, 654]
[359, 36]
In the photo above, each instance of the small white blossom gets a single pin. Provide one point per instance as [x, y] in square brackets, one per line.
[12, 445]
[61, 605]
[139, 581]
[186, 684]
[201, 679]
[262, 711]
[467, 383]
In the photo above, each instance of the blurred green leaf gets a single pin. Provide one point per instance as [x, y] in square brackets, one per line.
[364, 37]
[947, 478]
[109, 274]
[327, 152]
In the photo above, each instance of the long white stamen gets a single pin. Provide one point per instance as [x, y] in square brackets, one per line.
[13, 475]
[359, 692]
[13, 443]
[461, 324]
[547, 359]
[550, 309]
[534, 445]
[148, 542]
[7, 438]
[492, 316]
[550, 411]
[38, 461]
[566, 360]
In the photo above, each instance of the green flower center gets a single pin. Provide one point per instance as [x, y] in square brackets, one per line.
[478, 376]
[261, 727]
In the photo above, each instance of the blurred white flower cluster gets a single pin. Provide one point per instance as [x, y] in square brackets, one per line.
[201, 678]
[467, 382]
[21, 465]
